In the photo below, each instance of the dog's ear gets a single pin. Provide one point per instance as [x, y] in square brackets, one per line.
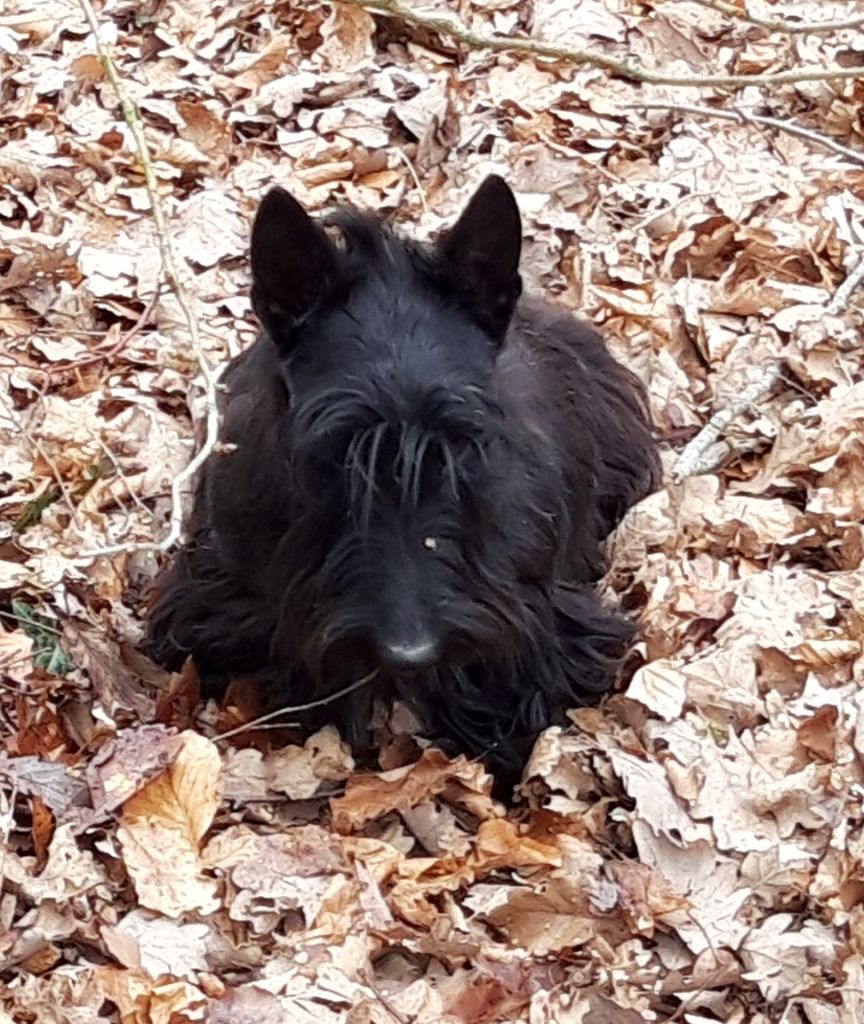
[293, 264]
[479, 256]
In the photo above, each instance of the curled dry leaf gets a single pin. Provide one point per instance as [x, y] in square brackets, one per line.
[656, 803]
[556, 763]
[436, 828]
[494, 992]
[53, 783]
[128, 763]
[645, 895]
[248, 1005]
[115, 685]
[500, 845]
[165, 1001]
[157, 945]
[368, 797]
[162, 828]
[69, 871]
[299, 772]
[16, 651]
[303, 869]
[785, 960]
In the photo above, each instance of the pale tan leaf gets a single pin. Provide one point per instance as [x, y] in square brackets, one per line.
[162, 829]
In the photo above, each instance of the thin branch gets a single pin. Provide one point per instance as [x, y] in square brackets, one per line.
[781, 24]
[745, 117]
[108, 354]
[846, 290]
[465, 36]
[36, 444]
[697, 456]
[27, 622]
[413, 172]
[7, 822]
[395, 1013]
[118, 469]
[172, 277]
[293, 709]
[58, 477]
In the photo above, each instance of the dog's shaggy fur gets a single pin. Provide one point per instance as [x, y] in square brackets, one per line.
[421, 469]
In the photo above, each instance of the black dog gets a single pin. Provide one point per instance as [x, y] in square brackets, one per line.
[420, 471]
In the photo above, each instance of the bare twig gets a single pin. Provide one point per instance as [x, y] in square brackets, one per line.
[98, 357]
[172, 277]
[846, 290]
[693, 459]
[697, 457]
[7, 823]
[37, 446]
[745, 117]
[26, 622]
[292, 710]
[782, 24]
[395, 1013]
[466, 37]
[413, 172]
[118, 469]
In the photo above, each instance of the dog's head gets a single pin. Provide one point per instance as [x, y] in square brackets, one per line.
[405, 549]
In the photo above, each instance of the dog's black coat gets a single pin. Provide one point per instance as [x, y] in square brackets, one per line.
[425, 469]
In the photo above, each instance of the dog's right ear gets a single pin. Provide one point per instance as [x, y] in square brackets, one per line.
[293, 264]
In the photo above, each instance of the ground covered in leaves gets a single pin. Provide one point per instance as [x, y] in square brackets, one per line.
[692, 850]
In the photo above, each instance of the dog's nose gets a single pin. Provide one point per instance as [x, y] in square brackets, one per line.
[408, 656]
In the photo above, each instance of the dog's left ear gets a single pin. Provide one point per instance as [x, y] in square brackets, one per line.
[479, 256]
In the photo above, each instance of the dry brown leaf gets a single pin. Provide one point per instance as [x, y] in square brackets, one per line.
[347, 38]
[162, 829]
[210, 228]
[16, 650]
[304, 869]
[143, 1001]
[818, 733]
[249, 1005]
[299, 772]
[647, 783]
[158, 945]
[53, 783]
[115, 685]
[645, 895]
[501, 844]
[497, 991]
[784, 960]
[545, 923]
[661, 687]
[69, 871]
[368, 797]
[127, 764]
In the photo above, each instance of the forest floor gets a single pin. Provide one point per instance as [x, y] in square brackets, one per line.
[689, 851]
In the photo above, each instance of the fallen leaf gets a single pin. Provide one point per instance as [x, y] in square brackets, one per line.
[158, 945]
[163, 825]
[369, 797]
[52, 782]
[124, 766]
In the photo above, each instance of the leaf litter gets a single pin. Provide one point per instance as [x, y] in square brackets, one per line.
[692, 849]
